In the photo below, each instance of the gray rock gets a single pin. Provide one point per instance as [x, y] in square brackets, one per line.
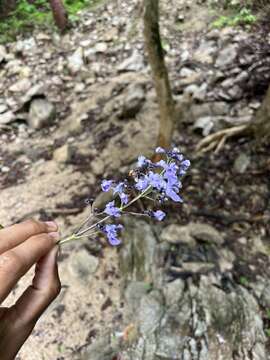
[3, 108]
[175, 234]
[134, 63]
[226, 56]
[195, 267]
[150, 313]
[22, 85]
[241, 163]
[204, 124]
[205, 232]
[41, 114]
[75, 61]
[36, 90]
[83, 265]
[133, 101]
[106, 348]
[101, 47]
[7, 117]
[133, 295]
[63, 154]
[174, 291]
[3, 53]
[26, 46]
[204, 53]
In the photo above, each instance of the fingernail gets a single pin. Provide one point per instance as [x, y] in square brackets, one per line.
[55, 235]
[51, 225]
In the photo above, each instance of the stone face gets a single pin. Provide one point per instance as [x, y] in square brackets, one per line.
[7, 117]
[133, 101]
[175, 234]
[63, 154]
[41, 114]
[83, 265]
[226, 56]
[205, 232]
[21, 86]
[241, 163]
[75, 61]
[134, 63]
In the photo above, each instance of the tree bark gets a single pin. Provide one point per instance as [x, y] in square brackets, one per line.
[159, 70]
[59, 14]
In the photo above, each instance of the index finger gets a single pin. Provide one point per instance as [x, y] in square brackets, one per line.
[16, 262]
[16, 234]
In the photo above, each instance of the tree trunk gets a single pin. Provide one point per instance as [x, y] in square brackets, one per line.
[59, 14]
[159, 70]
[261, 125]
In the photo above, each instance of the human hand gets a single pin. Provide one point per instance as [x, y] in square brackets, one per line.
[22, 246]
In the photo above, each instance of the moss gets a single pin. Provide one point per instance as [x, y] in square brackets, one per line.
[242, 17]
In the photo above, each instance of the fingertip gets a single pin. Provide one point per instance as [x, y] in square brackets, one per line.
[51, 226]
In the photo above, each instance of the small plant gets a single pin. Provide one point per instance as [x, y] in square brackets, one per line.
[243, 17]
[243, 281]
[157, 182]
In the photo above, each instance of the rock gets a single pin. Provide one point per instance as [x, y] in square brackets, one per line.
[197, 267]
[134, 63]
[241, 163]
[175, 234]
[21, 86]
[36, 90]
[7, 117]
[205, 232]
[133, 101]
[204, 124]
[106, 348]
[101, 47]
[174, 291]
[26, 46]
[83, 265]
[41, 114]
[63, 154]
[204, 53]
[3, 53]
[226, 56]
[75, 61]
[133, 295]
[3, 108]
[150, 313]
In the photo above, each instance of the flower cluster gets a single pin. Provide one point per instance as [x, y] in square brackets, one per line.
[157, 181]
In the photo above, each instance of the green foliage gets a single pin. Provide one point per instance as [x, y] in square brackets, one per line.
[243, 281]
[243, 17]
[267, 332]
[28, 15]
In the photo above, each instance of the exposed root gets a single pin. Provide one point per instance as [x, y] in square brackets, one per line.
[217, 140]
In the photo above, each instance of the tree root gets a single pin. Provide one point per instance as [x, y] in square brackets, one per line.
[217, 140]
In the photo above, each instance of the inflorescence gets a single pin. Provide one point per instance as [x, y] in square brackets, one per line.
[158, 182]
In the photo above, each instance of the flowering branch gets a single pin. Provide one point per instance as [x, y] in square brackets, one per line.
[161, 180]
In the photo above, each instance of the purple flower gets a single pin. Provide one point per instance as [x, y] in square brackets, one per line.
[106, 185]
[111, 232]
[156, 180]
[141, 161]
[160, 150]
[119, 188]
[124, 198]
[142, 184]
[112, 210]
[159, 215]
[171, 193]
